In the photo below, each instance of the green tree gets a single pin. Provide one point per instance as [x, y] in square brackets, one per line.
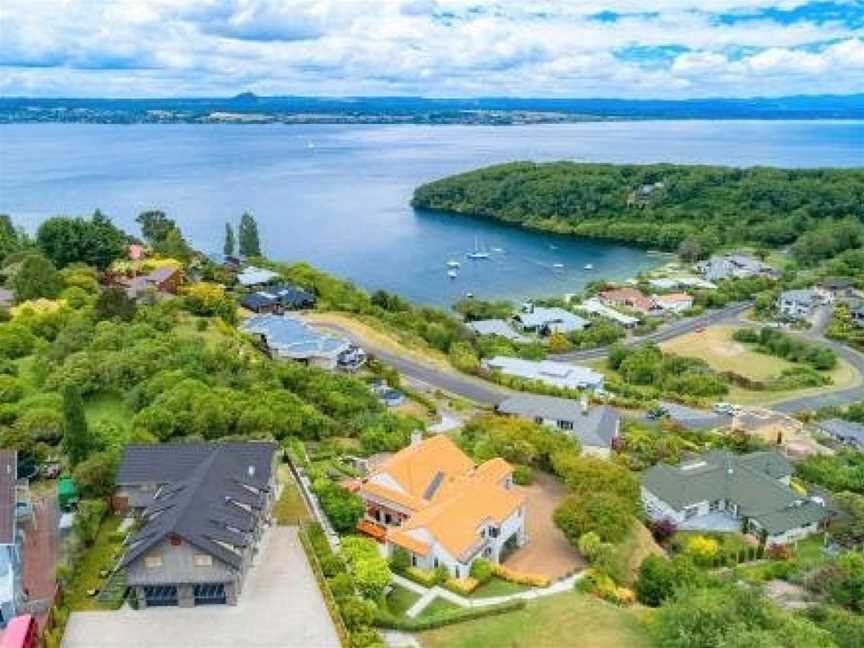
[250, 246]
[95, 242]
[112, 303]
[155, 225]
[95, 475]
[37, 277]
[230, 246]
[603, 513]
[76, 436]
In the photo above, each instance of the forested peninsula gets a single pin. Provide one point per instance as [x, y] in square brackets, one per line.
[663, 205]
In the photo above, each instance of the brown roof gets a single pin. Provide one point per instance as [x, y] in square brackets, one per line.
[8, 479]
[628, 297]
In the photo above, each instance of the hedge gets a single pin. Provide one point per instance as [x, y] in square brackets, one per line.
[521, 578]
[387, 620]
[309, 546]
[424, 577]
[461, 586]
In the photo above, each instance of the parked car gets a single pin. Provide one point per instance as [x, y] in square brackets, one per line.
[723, 408]
[658, 413]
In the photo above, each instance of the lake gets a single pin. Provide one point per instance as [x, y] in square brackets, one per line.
[338, 196]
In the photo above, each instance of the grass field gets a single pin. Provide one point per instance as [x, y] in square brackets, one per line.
[497, 587]
[400, 600]
[438, 606]
[290, 507]
[571, 619]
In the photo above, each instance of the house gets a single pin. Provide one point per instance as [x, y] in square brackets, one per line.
[594, 306]
[292, 339]
[674, 302]
[847, 432]
[556, 374]
[432, 501]
[834, 288]
[545, 321]
[629, 297]
[7, 298]
[857, 314]
[733, 266]
[721, 491]
[595, 428]
[496, 327]
[11, 540]
[165, 279]
[252, 276]
[769, 426]
[277, 299]
[206, 506]
[797, 304]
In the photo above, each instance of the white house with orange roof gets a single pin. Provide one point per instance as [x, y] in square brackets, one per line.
[433, 501]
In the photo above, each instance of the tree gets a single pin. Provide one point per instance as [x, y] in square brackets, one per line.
[95, 475]
[603, 513]
[76, 436]
[155, 225]
[37, 277]
[112, 303]
[849, 529]
[230, 246]
[248, 236]
[659, 578]
[96, 242]
[173, 246]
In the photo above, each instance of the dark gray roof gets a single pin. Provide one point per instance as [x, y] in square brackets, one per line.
[845, 430]
[597, 427]
[750, 481]
[169, 462]
[8, 498]
[161, 274]
[207, 507]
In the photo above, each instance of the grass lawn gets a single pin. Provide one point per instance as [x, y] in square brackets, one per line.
[570, 619]
[810, 552]
[290, 506]
[630, 553]
[215, 333]
[400, 599]
[497, 587]
[98, 557]
[438, 606]
[110, 407]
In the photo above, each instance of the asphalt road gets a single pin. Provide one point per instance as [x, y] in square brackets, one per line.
[673, 330]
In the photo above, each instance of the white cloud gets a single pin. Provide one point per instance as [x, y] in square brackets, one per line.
[428, 47]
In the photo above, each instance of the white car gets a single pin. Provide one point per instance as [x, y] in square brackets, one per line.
[724, 408]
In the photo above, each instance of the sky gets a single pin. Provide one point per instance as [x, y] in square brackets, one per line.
[433, 48]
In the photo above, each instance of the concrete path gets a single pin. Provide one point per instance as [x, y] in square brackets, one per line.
[429, 594]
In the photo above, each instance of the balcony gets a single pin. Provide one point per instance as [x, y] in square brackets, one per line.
[373, 530]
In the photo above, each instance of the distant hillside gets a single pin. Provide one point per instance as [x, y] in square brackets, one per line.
[491, 110]
[657, 205]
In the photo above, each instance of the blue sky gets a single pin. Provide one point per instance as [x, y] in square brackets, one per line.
[435, 48]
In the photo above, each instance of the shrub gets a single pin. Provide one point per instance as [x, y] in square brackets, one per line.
[702, 548]
[425, 577]
[342, 585]
[89, 518]
[386, 620]
[663, 529]
[462, 586]
[11, 389]
[343, 508]
[356, 612]
[400, 560]
[523, 475]
[779, 552]
[482, 570]
[366, 638]
[603, 513]
[521, 578]
[589, 543]
[372, 575]
[332, 565]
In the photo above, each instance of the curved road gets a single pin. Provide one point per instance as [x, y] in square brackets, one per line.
[489, 394]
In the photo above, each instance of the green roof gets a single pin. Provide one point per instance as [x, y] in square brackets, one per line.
[750, 481]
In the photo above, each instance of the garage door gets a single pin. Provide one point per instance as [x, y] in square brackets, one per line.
[209, 593]
[160, 595]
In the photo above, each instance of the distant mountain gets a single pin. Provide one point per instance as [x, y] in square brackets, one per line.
[248, 107]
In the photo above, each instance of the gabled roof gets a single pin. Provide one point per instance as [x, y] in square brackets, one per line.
[8, 496]
[292, 338]
[162, 463]
[554, 317]
[161, 274]
[448, 497]
[214, 507]
[750, 481]
[496, 327]
[801, 296]
[253, 276]
[596, 427]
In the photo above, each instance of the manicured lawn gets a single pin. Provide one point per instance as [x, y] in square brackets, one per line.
[497, 587]
[438, 606]
[399, 600]
[290, 507]
[571, 619]
[98, 557]
[110, 407]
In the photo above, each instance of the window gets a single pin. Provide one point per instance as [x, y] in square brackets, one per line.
[151, 562]
[714, 506]
[203, 560]
[538, 420]
[691, 512]
[565, 425]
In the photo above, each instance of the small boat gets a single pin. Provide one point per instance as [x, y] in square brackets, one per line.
[553, 247]
[498, 250]
[453, 264]
[558, 266]
[310, 145]
[452, 274]
[478, 252]
[588, 266]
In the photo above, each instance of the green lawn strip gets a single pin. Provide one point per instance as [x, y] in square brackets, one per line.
[400, 600]
[438, 606]
[98, 557]
[570, 619]
[498, 587]
[290, 507]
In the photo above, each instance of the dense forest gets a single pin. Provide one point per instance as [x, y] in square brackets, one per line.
[660, 205]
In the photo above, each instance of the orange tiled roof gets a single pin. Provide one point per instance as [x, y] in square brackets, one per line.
[453, 511]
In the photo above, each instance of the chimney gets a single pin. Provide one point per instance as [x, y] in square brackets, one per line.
[416, 437]
[251, 470]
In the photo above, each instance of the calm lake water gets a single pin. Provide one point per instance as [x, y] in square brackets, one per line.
[338, 196]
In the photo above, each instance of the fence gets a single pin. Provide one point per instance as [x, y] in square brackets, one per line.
[324, 586]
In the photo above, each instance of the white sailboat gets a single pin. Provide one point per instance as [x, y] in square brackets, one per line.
[453, 264]
[589, 266]
[452, 274]
[478, 252]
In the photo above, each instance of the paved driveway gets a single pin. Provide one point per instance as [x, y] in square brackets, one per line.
[281, 607]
